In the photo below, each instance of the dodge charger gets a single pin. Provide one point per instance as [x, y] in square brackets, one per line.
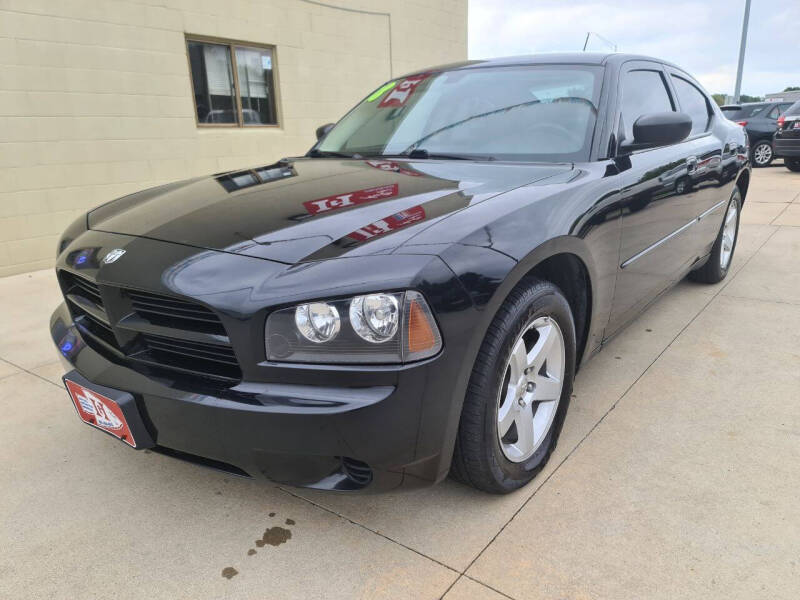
[413, 297]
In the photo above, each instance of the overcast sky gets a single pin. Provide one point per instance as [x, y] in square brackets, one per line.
[701, 37]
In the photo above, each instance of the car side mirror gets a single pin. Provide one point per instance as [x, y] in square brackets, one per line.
[323, 130]
[659, 129]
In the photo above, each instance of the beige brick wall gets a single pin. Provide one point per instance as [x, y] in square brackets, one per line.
[96, 101]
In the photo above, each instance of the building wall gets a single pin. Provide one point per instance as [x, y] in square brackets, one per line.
[96, 100]
[793, 96]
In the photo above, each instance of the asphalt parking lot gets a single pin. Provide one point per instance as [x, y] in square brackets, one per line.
[676, 475]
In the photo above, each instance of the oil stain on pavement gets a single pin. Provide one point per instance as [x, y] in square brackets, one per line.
[273, 536]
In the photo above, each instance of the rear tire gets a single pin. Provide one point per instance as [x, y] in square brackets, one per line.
[534, 321]
[762, 154]
[719, 262]
[793, 164]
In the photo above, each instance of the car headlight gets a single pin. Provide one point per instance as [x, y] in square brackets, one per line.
[375, 317]
[379, 328]
[318, 322]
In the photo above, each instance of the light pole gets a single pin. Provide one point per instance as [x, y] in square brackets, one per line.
[742, 45]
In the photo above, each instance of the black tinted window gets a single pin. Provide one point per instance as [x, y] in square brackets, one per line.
[643, 92]
[793, 110]
[693, 103]
[774, 112]
[742, 112]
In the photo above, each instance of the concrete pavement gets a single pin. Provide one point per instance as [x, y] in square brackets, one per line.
[675, 477]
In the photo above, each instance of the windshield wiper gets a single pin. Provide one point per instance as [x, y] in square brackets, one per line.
[423, 153]
[314, 153]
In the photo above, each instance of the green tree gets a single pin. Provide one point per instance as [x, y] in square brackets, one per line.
[719, 99]
[746, 98]
[792, 88]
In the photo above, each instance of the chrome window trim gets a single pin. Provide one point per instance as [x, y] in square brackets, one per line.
[669, 236]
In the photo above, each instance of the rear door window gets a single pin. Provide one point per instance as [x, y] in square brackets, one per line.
[774, 112]
[643, 92]
[742, 112]
[693, 102]
[793, 110]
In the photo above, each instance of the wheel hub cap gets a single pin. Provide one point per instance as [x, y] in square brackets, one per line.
[728, 235]
[531, 389]
[763, 153]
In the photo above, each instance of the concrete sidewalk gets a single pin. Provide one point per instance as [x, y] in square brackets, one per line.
[676, 475]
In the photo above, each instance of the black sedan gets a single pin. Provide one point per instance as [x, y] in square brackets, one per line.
[787, 137]
[760, 120]
[413, 297]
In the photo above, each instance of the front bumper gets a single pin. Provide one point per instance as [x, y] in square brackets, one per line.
[325, 437]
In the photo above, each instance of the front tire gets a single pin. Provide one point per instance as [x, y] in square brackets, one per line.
[793, 164]
[719, 262]
[519, 390]
[763, 154]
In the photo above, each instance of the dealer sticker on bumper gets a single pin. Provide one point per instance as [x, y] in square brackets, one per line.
[100, 411]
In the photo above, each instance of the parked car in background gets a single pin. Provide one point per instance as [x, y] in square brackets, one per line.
[412, 296]
[760, 120]
[787, 138]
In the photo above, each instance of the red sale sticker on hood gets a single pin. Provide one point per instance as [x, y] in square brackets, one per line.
[329, 203]
[396, 221]
[390, 165]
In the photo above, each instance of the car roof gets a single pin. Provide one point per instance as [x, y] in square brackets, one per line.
[577, 58]
[745, 104]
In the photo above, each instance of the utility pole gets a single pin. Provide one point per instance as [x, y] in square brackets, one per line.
[742, 46]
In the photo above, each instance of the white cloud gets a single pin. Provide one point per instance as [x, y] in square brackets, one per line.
[703, 38]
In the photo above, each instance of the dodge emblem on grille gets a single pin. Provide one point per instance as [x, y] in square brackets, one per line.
[113, 256]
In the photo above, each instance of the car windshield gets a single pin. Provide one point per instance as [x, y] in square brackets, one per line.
[521, 113]
[741, 112]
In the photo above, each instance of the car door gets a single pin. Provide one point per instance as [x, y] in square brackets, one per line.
[709, 145]
[665, 189]
[764, 124]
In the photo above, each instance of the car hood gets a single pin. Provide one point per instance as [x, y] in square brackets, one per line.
[313, 209]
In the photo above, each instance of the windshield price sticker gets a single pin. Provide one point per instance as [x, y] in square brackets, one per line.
[402, 92]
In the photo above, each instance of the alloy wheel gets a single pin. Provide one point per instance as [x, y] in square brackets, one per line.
[762, 154]
[728, 235]
[531, 389]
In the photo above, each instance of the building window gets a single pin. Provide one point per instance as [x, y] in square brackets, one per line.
[233, 84]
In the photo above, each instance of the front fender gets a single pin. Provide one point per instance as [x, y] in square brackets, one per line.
[488, 276]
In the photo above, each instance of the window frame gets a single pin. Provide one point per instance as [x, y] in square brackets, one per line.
[232, 45]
